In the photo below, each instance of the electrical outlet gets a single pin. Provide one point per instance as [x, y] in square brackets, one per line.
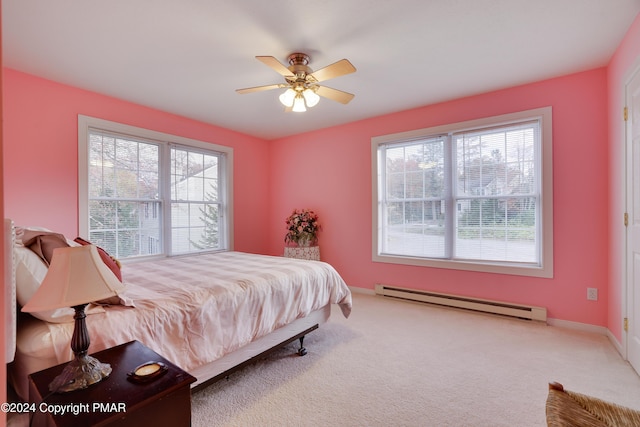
[592, 294]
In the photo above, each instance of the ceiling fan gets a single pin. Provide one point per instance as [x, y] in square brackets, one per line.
[302, 83]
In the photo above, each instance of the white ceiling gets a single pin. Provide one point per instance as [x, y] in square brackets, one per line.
[188, 56]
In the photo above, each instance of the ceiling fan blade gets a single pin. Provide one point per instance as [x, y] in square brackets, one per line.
[335, 94]
[261, 88]
[334, 70]
[276, 65]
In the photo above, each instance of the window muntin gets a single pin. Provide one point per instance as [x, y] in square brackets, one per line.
[196, 206]
[123, 181]
[413, 206]
[497, 194]
[147, 193]
[474, 195]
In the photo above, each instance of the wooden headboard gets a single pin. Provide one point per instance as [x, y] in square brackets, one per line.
[10, 310]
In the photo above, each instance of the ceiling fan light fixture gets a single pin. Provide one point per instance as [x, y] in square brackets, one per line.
[303, 89]
[287, 97]
[298, 104]
[311, 98]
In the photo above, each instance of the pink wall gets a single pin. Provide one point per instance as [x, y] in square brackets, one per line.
[3, 372]
[625, 60]
[40, 155]
[330, 172]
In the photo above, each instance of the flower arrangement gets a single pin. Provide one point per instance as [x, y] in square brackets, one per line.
[302, 227]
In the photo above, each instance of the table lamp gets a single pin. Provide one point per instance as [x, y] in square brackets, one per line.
[77, 276]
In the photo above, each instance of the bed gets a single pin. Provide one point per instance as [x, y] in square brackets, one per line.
[207, 313]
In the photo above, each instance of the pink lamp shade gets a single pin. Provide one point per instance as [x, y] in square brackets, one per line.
[77, 275]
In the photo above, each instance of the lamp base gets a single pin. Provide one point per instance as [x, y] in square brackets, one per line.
[80, 373]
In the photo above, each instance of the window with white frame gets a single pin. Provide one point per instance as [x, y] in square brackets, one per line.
[146, 193]
[474, 196]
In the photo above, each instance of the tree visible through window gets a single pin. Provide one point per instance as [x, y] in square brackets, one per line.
[145, 196]
[195, 203]
[497, 193]
[123, 184]
[464, 194]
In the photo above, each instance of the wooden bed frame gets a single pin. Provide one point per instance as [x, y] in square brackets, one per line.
[206, 374]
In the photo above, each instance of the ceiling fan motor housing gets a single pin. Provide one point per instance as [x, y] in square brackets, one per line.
[299, 67]
[301, 80]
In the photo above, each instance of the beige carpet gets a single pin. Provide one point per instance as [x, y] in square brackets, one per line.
[394, 363]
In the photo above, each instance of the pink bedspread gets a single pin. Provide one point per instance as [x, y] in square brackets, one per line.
[195, 309]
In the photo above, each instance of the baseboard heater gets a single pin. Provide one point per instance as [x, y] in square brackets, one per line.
[487, 306]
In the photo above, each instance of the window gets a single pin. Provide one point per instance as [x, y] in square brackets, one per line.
[145, 193]
[473, 196]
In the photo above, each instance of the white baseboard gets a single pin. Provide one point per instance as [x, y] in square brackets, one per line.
[617, 345]
[601, 330]
[357, 290]
[584, 327]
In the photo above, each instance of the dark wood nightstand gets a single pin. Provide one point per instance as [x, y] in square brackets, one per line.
[116, 400]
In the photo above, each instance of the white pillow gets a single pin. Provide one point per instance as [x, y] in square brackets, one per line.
[30, 272]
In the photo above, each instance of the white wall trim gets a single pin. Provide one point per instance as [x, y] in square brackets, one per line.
[545, 267]
[559, 323]
[577, 326]
[584, 327]
[627, 169]
[357, 290]
[617, 345]
[85, 123]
